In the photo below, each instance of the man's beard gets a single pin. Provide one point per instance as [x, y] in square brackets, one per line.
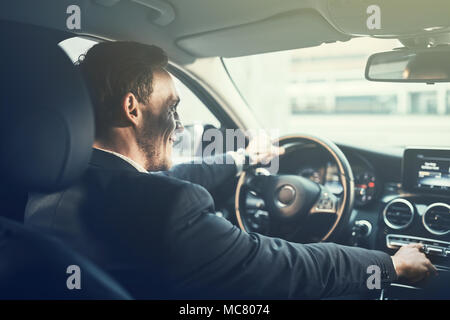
[147, 141]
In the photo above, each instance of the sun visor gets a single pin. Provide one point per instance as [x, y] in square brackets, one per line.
[296, 29]
[397, 18]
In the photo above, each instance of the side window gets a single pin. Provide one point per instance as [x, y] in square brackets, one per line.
[76, 46]
[191, 110]
[194, 115]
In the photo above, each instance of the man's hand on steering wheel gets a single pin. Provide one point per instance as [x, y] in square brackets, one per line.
[292, 202]
[261, 149]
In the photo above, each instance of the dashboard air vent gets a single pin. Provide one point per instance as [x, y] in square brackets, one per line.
[398, 214]
[436, 218]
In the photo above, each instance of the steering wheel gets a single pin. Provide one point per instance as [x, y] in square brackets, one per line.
[294, 203]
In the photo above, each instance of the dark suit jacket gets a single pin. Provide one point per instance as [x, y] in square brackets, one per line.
[158, 235]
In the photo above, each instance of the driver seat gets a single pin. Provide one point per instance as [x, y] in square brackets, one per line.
[46, 133]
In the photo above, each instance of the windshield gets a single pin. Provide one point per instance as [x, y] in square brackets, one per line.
[322, 91]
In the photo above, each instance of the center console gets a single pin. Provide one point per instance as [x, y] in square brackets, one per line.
[420, 214]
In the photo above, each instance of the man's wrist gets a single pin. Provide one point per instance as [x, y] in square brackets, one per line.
[396, 266]
[241, 160]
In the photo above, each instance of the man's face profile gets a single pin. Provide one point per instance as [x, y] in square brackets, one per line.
[155, 133]
[135, 102]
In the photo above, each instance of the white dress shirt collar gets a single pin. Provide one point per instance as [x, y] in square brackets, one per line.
[136, 165]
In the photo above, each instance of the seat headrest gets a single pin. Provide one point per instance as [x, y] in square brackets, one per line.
[46, 116]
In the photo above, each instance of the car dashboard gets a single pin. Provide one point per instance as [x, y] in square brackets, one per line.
[385, 216]
[318, 166]
[387, 213]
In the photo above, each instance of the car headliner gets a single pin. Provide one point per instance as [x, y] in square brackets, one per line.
[188, 29]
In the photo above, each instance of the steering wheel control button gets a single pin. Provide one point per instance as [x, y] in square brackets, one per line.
[326, 202]
[286, 195]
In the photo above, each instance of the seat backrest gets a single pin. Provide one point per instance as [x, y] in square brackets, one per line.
[46, 117]
[13, 200]
[46, 135]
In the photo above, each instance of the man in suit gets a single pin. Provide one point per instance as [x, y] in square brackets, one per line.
[153, 227]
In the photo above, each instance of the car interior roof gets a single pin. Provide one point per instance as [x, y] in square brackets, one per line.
[188, 29]
[199, 27]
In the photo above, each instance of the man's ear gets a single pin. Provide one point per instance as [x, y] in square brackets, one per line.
[130, 108]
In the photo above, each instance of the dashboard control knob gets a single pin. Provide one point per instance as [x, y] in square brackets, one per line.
[360, 233]
[362, 228]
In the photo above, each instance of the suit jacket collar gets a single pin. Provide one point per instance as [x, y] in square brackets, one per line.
[106, 160]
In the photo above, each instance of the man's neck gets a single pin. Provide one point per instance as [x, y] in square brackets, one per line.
[137, 166]
[129, 150]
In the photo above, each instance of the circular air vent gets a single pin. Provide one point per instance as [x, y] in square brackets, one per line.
[436, 218]
[398, 214]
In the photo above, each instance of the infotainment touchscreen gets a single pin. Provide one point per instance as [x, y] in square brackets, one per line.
[426, 170]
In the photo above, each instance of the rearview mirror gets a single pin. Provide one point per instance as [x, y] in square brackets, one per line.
[427, 65]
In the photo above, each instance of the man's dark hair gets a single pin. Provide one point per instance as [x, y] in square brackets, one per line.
[112, 69]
